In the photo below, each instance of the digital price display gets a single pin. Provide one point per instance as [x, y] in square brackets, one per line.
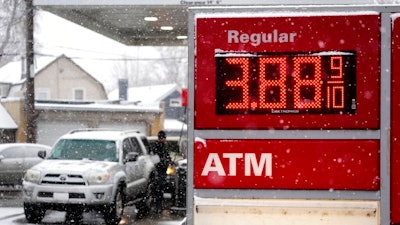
[312, 83]
[267, 71]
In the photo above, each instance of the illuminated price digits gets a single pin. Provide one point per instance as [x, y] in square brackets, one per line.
[286, 83]
[311, 79]
[335, 88]
[266, 83]
[243, 83]
[336, 65]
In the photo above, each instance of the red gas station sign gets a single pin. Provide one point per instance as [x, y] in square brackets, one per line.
[293, 103]
[295, 72]
[287, 164]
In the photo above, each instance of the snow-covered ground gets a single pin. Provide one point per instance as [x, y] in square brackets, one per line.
[11, 215]
[14, 215]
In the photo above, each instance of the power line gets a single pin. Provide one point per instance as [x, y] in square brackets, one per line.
[114, 59]
[97, 58]
[9, 54]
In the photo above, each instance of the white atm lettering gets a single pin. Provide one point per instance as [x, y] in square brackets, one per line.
[261, 167]
[256, 39]
[251, 162]
[213, 158]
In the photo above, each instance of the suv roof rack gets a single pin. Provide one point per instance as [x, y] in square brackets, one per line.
[103, 129]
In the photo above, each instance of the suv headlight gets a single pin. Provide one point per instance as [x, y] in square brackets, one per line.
[32, 176]
[98, 177]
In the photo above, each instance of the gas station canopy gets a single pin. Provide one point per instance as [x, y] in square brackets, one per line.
[130, 24]
[166, 22]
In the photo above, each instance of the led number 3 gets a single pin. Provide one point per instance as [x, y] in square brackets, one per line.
[243, 83]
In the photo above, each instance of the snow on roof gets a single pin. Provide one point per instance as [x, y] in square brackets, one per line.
[146, 94]
[12, 71]
[6, 121]
[15, 89]
[174, 125]
[99, 106]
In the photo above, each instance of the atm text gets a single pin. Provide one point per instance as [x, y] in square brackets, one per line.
[252, 166]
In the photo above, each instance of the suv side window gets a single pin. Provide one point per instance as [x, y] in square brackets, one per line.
[31, 153]
[146, 144]
[126, 147]
[14, 152]
[136, 146]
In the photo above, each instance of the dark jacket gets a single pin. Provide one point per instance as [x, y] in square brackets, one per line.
[163, 153]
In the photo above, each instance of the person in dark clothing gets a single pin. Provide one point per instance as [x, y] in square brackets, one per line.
[161, 168]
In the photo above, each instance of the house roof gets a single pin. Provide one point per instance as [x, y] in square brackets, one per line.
[6, 121]
[147, 94]
[96, 106]
[174, 125]
[12, 72]
[74, 63]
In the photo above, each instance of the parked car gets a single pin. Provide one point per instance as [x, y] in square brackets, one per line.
[16, 159]
[92, 169]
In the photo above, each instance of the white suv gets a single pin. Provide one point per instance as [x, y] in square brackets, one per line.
[90, 170]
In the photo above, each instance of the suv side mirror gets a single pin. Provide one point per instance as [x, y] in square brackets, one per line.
[42, 154]
[131, 157]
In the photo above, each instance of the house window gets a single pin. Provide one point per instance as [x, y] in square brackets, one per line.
[175, 102]
[42, 94]
[4, 89]
[79, 94]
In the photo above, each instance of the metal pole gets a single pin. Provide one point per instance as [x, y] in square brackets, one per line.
[30, 87]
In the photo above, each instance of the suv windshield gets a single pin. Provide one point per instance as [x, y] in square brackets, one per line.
[99, 150]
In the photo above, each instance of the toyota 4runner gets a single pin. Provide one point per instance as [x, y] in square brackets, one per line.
[98, 170]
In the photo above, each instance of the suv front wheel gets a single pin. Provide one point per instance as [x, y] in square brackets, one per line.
[33, 213]
[113, 213]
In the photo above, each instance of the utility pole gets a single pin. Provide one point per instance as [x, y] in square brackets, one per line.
[30, 86]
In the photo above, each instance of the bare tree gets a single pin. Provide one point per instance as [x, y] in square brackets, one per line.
[170, 67]
[12, 38]
[174, 62]
[138, 72]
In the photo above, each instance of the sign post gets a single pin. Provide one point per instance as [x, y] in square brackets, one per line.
[286, 114]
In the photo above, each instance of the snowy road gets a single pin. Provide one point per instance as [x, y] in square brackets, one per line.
[12, 213]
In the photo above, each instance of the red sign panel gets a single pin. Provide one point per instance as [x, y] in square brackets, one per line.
[314, 72]
[287, 164]
[395, 125]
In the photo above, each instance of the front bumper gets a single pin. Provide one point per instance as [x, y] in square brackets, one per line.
[68, 194]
